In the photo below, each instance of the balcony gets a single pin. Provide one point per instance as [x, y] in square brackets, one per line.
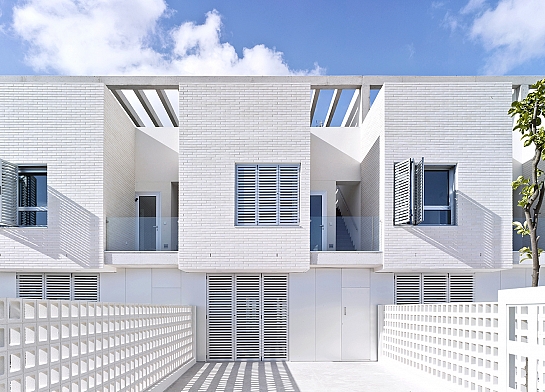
[137, 242]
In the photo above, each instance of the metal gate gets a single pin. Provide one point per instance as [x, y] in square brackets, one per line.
[247, 317]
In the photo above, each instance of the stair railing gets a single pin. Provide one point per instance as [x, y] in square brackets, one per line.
[347, 214]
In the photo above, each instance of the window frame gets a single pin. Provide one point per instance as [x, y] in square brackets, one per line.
[451, 170]
[31, 169]
[258, 204]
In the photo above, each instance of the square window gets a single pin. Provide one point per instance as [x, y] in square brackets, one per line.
[438, 195]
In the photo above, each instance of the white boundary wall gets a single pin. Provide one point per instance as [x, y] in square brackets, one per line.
[478, 346]
[89, 346]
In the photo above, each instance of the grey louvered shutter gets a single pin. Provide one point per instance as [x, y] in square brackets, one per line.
[275, 317]
[461, 288]
[267, 195]
[30, 286]
[407, 289]
[246, 202]
[402, 192]
[220, 320]
[418, 194]
[85, 287]
[58, 286]
[8, 193]
[434, 289]
[289, 194]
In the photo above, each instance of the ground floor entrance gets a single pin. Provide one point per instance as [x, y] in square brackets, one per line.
[247, 317]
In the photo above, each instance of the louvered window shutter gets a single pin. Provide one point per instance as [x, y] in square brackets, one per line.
[8, 193]
[85, 287]
[418, 196]
[434, 289]
[289, 195]
[461, 288]
[402, 192]
[407, 289]
[267, 195]
[30, 286]
[246, 183]
[58, 286]
[275, 317]
[220, 317]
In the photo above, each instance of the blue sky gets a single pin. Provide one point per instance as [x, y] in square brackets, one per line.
[100, 37]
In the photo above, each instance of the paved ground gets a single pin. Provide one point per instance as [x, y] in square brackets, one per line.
[306, 377]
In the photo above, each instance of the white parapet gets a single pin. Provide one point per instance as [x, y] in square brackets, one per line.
[75, 345]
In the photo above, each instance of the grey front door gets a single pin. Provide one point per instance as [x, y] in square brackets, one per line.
[147, 223]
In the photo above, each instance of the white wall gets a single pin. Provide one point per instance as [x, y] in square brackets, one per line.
[61, 126]
[462, 124]
[222, 124]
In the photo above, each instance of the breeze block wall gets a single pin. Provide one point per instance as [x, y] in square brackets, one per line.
[222, 124]
[465, 125]
[59, 125]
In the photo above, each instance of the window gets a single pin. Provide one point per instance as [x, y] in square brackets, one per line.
[23, 193]
[423, 194]
[32, 209]
[432, 288]
[267, 195]
[438, 196]
[55, 286]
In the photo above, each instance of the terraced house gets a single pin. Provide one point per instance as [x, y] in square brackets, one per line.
[284, 208]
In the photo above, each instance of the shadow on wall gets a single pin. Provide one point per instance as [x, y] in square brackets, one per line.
[477, 243]
[236, 376]
[72, 232]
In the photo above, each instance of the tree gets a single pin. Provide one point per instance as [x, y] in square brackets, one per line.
[528, 114]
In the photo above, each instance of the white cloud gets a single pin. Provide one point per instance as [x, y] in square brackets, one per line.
[513, 33]
[105, 37]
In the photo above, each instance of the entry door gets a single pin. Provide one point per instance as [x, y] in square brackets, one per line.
[148, 222]
[317, 222]
[355, 324]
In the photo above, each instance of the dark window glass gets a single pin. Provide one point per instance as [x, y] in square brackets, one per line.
[437, 217]
[436, 188]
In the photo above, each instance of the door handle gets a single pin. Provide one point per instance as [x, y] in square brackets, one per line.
[345, 310]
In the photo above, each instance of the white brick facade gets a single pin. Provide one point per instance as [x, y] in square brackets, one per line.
[222, 124]
[60, 125]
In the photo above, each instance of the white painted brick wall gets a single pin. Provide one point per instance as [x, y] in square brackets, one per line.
[463, 124]
[222, 124]
[119, 176]
[60, 125]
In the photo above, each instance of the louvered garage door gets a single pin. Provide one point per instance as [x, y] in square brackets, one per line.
[247, 317]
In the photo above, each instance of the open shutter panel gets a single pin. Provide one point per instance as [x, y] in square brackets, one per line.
[434, 289]
[418, 204]
[85, 287]
[30, 286]
[8, 193]
[407, 289]
[246, 183]
[461, 288]
[289, 195]
[58, 286]
[402, 192]
[267, 195]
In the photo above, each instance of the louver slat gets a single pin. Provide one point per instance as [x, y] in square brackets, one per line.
[246, 178]
[407, 289]
[434, 289]
[85, 288]
[248, 317]
[8, 193]
[220, 317]
[275, 317]
[267, 191]
[57, 286]
[402, 192]
[30, 286]
[418, 203]
[461, 288]
[289, 195]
